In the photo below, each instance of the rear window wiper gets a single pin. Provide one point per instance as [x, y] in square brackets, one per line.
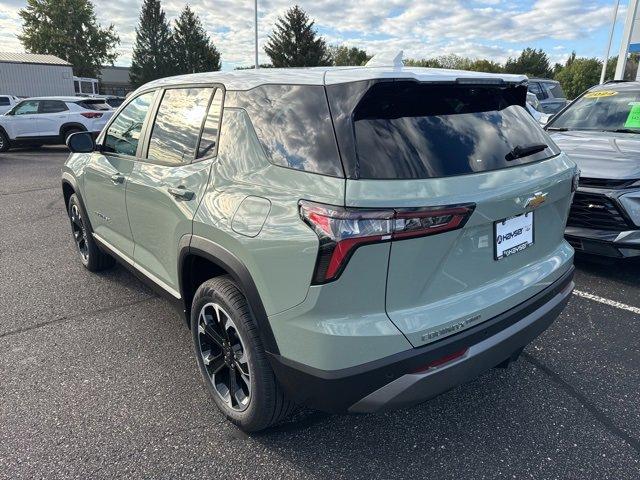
[520, 151]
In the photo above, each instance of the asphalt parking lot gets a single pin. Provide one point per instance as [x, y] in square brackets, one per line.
[98, 380]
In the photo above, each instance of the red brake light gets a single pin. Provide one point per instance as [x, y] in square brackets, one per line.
[441, 361]
[342, 230]
[91, 114]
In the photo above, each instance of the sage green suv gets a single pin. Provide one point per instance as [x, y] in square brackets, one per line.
[349, 239]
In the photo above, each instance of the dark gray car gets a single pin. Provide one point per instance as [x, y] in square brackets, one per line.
[549, 93]
[600, 131]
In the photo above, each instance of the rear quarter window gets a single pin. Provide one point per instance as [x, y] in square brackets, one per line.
[293, 124]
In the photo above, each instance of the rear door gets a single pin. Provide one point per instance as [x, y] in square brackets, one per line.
[106, 174]
[52, 114]
[166, 186]
[498, 239]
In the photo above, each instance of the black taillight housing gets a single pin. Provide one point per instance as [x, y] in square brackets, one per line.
[342, 230]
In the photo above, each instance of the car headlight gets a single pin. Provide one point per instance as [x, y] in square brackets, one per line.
[631, 203]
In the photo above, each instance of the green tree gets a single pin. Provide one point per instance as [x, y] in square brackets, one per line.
[487, 66]
[578, 75]
[192, 49]
[295, 43]
[531, 62]
[152, 50]
[69, 30]
[343, 56]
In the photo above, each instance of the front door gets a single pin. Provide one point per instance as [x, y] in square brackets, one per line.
[165, 189]
[24, 121]
[107, 172]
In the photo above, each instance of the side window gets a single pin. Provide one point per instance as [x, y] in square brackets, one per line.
[209, 140]
[177, 125]
[52, 106]
[123, 134]
[26, 108]
[4, 101]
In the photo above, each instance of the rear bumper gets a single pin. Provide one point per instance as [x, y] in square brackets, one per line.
[604, 242]
[389, 382]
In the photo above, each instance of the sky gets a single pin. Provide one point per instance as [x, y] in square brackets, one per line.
[493, 29]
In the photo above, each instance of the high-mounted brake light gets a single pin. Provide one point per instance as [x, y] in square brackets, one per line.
[91, 114]
[342, 230]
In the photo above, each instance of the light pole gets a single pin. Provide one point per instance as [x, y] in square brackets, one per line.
[255, 22]
[627, 32]
[606, 53]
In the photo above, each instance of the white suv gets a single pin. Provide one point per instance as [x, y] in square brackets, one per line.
[36, 121]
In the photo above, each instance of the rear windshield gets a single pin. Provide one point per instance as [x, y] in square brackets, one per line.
[96, 104]
[409, 130]
[607, 110]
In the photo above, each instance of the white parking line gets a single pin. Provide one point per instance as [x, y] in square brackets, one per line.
[606, 301]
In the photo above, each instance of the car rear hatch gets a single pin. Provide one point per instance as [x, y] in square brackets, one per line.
[479, 196]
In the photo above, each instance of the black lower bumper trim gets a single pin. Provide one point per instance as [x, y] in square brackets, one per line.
[337, 390]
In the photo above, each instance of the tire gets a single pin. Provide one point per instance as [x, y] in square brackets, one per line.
[238, 353]
[90, 254]
[5, 144]
[68, 132]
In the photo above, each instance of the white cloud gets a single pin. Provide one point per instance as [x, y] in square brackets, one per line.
[490, 28]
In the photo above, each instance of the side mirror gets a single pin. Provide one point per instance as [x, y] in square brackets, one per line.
[81, 142]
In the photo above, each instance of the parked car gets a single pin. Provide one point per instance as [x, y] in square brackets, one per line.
[550, 94]
[7, 102]
[111, 100]
[50, 120]
[600, 131]
[532, 107]
[335, 239]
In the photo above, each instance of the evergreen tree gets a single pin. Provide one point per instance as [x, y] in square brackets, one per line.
[344, 56]
[531, 62]
[295, 43]
[152, 50]
[192, 48]
[69, 30]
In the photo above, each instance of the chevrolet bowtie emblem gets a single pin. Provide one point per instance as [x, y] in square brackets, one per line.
[538, 199]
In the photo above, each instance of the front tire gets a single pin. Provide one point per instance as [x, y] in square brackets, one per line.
[5, 144]
[232, 360]
[91, 256]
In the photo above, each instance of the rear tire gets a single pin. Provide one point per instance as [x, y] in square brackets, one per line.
[91, 256]
[231, 356]
[68, 132]
[5, 144]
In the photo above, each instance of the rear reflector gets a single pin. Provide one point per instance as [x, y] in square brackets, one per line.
[91, 114]
[441, 361]
[342, 230]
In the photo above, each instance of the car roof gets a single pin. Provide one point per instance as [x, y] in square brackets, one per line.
[63, 99]
[617, 85]
[251, 78]
[536, 79]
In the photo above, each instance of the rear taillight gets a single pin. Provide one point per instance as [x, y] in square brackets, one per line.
[342, 230]
[91, 114]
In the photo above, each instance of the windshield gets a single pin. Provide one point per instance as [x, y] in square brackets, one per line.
[607, 110]
[556, 90]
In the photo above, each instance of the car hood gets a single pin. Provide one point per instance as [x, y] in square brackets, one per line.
[602, 154]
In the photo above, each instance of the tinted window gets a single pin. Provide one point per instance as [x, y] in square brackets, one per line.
[4, 101]
[52, 106]
[604, 109]
[410, 130]
[209, 140]
[76, 86]
[177, 126]
[294, 126]
[123, 134]
[94, 104]
[25, 108]
[115, 102]
[87, 87]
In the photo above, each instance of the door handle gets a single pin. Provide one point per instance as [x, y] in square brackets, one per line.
[181, 193]
[117, 178]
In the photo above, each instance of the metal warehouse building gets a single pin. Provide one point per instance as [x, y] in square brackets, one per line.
[30, 74]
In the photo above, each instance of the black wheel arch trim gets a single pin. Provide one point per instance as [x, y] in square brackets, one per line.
[65, 126]
[223, 258]
[68, 179]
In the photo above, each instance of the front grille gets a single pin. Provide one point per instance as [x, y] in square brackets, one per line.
[605, 183]
[590, 210]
